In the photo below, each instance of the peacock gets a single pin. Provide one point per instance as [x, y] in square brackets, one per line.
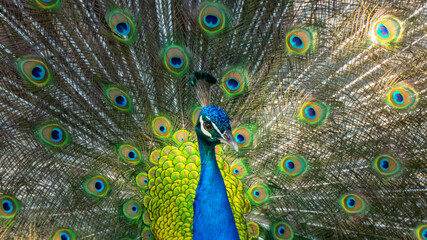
[213, 120]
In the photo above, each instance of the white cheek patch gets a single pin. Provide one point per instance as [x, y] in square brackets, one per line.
[203, 128]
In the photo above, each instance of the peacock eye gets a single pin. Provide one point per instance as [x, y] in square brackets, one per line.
[233, 82]
[258, 194]
[352, 203]
[146, 234]
[121, 25]
[47, 3]
[299, 41]
[132, 210]
[34, 70]
[64, 234]
[422, 232]
[211, 18]
[238, 170]
[9, 207]
[208, 126]
[242, 136]
[130, 154]
[387, 30]
[142, 180]
[54, 135]
[282, 231]
[118, 98]
[293, 165]
[161, 127]
[180, 136]
[386, 165]
[253, 229]
[97, 186]
[401, 97]
[176, 59]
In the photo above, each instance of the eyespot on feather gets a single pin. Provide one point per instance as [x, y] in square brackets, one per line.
[97, 186]
[313, 112]
[238, 170]
[299, 41]
[196, 114]
[121, 25]
[352, 203]
[33, 70]
[147, 234]
[421, 232]
[212, 18]
[386, 165]
[293, 165]
[282, 230]
[401, 97]
[142, 180]
[119, 99]
[181, 136]
[155, 157]
[132, 209]
[47, 3]
[9, 207]
[387, 30]
[161, 127]
[130, 154]
[258, 194]
[176, 60]
[233, 82]
[253, 229]
[64, 234]
[243, 137]
[54, 135]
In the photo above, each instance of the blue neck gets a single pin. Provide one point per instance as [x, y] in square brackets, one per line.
[213, 218]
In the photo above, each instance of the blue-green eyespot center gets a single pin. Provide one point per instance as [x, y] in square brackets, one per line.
[232, 84]
[123, 28]
[211, 21]
[383, 31]
[38, 73]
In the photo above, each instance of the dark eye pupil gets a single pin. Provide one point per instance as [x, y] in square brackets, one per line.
[282, 230]
[162, 128]
[233, 82]
[385, 164]
[36, 72]
[134, 208]
[98, 185]
[297, 41]
[64, 237]
[6, 206]
[55, 134]
[399, 97]
[146, 181]
[131, 154]
[211, 19]
[291, 165]
[241, 138]
[122, 27]
[120, 100]
[176, 61]
[351, 202]
[311, 112]
[384, 30]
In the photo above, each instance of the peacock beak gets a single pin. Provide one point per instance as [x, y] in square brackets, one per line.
[228, 138]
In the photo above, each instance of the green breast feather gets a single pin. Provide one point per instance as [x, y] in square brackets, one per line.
[172, 184]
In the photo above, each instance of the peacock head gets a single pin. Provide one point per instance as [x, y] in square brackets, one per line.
[213, 127]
